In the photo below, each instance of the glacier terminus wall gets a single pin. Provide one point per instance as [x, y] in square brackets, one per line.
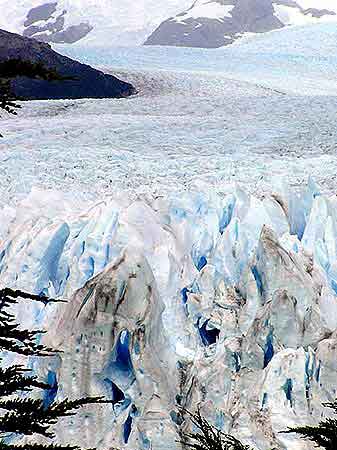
[227, 302]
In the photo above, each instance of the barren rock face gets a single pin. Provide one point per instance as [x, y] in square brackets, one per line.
[227, 303]
[46, 23]
[41, 12]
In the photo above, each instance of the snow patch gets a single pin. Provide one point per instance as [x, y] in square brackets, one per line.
[206, 9]
[290, 15]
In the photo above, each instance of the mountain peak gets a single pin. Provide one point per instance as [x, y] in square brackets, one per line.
[215, 23]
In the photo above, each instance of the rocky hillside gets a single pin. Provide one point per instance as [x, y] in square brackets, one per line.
[215, 23]
[71, 79]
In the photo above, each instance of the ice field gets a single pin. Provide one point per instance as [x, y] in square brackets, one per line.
[193, 229]
[200, 116]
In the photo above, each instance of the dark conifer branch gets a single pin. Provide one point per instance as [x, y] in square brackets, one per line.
[208, 437]
[324, 435]
[8, 105]
[4, 446]
[27, 416]
[10, 295]
[14, 378]
[12, 338]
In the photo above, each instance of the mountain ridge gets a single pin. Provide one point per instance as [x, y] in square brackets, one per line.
[216, 23]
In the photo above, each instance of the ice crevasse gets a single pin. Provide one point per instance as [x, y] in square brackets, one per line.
[224, 301]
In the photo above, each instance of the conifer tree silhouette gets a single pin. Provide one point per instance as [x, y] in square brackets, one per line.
[206, 436]
[8, 104]
[27, 416]
[324, 435]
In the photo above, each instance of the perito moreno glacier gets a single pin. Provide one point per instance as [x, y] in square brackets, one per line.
[191, 229]
[228, 302]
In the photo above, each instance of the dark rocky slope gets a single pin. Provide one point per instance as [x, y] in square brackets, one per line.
[75, 80]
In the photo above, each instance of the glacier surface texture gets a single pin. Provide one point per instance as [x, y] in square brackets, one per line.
[198, 261]
[224, 301]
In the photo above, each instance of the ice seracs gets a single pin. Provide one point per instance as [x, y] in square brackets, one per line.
[224, 301]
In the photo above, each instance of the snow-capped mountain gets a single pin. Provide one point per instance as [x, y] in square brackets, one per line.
[214, 23]
[207, 23]
[103, 22]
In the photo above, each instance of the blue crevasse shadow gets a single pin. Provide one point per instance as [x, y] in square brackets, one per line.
[179, 214]
[201, 263]
[237, 361]
[208, 336]
[288, 390]
[258, 280]
[51, 393]
[220, 420]
[226, 217]
[334, 286]
[118, 374]
[127, 427]
[192, 289]
[117, 395]
[119, 368]
[2, 255]
[50, 259]
[90, 269]
[176, 418]
[318, 372]
[122, 353]
[85, 300]
[268, 349]
[145, 443]
[184, 295]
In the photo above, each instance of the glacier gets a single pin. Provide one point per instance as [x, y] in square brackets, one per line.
[196, 254]
[227, 301]
[201, 118]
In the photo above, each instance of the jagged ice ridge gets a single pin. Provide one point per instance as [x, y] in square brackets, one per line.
[224, 301]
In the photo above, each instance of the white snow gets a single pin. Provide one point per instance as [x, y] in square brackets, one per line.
[319, 4]
[127, 22]
[206, 9]
[289, 15]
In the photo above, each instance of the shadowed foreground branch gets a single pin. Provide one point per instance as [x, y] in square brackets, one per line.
[208, 437]
[27, 416]
[8, 105]
[324, 435]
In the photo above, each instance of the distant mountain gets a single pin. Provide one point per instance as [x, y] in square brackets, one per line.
[59, 78]
[215, 23]
[103, 22]
[47, 24]
[195, 23]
